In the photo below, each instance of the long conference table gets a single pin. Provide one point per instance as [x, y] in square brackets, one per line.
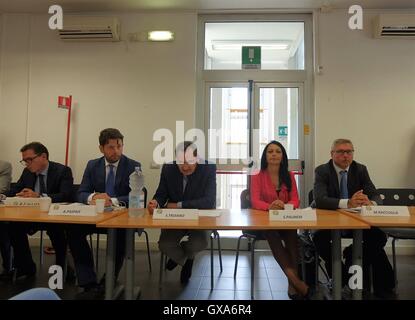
[33, 214]
[248, 219]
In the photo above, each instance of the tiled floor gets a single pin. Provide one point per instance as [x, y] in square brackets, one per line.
[270, 282]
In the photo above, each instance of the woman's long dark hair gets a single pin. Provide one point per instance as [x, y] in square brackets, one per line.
[284, 175]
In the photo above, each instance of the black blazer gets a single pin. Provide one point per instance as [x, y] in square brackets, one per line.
[94, 178]
[327, 190]
[58, 184]
[200, 192]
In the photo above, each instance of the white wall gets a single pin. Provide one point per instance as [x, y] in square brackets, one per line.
[137, 87]
[367, 93]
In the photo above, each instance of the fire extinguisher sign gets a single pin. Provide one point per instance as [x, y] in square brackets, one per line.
[64, 102]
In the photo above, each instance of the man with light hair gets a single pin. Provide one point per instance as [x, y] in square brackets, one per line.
[344, 183]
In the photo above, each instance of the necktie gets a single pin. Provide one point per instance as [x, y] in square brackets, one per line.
[42, 186]
[185, 181]
[109, 184]
[344, 194]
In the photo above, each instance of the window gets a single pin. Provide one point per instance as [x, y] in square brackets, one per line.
[282, 44]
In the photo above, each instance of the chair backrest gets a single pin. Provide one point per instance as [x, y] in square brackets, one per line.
[245, 199]
[397, 197]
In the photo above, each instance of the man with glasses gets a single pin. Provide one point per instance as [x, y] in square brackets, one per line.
[40, 178]
[344, 183]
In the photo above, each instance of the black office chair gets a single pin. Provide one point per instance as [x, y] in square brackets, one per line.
[310, 259]
[139, 232]
[252, 236]
[398, 197]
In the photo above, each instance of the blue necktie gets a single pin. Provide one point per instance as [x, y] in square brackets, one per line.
[42, 186]
[344, 194]
[109, 185]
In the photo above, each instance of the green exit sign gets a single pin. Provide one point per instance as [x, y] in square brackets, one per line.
[251, 57]
[283, 131]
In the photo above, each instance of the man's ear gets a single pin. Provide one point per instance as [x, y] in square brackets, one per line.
[101, 148]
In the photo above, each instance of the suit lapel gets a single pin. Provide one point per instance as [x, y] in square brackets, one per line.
[334, 177]
[100, 175]
[119, 174]
[31, 181]
[352, 179]
[190, 180]
[51, 177]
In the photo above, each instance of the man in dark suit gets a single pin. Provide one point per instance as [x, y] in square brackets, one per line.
[5, 246]
[104, 178]
[40, 178]
[344, 183]
[188, 183]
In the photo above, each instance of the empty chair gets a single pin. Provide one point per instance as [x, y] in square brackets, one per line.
[398, 197]
[253, 237]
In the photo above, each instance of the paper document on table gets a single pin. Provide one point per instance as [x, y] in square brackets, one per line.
[212, 213]
[354, 210]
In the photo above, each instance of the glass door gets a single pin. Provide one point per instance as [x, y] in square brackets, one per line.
[243, 118]
[228, 138]
[278, 116]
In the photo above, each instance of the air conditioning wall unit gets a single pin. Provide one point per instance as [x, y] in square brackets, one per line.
[90, 28]
[394, 26]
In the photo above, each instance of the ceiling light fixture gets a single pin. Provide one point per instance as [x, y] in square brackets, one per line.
[160, 35]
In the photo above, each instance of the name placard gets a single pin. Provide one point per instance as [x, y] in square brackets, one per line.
[293, 215]
[385, 211]
[72, 210]
[176, 214]
[21, 202]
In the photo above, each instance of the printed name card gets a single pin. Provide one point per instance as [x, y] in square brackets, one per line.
[72, 210]
[21, 202]
[176, 214]
[293, 215]
[385, 211]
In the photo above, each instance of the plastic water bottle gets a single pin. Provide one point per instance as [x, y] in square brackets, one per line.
[136, 195]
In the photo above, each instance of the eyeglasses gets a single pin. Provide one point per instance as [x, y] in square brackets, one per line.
[27, 161]
[342, 152]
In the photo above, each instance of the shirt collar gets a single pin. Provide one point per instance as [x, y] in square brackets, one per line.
[115, 164]
[45, 171]
[338, 169]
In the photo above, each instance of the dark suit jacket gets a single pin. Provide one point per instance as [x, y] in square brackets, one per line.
[58, 184]
[94, 178]
[327, 190]
[200, 192]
